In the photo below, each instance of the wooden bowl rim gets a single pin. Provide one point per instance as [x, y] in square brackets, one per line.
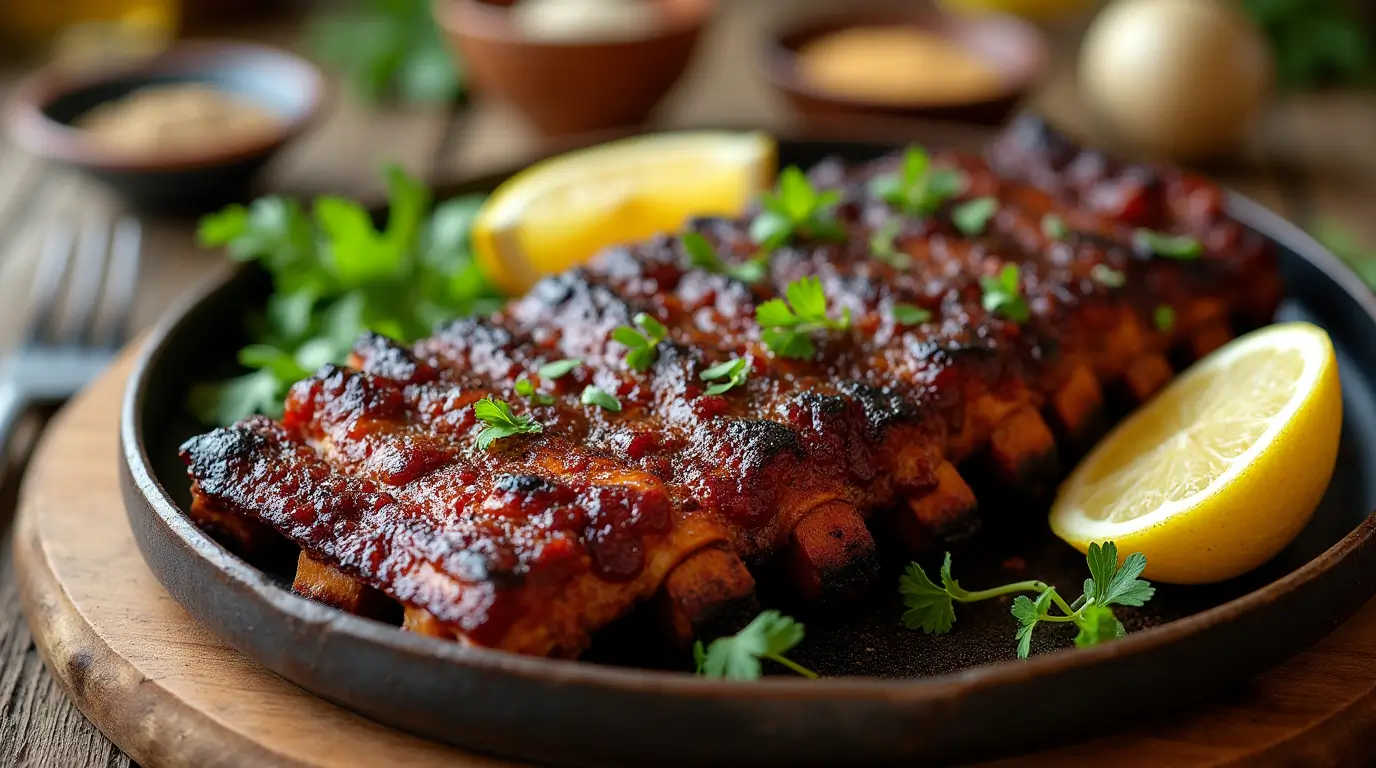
[778, 59]
[925, 691]
[480, 20]
[33, 129]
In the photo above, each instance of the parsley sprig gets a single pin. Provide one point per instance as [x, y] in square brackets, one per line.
[335, 275]
[931, 608]
[918, 189]
[884, 248]
[702, 255]
[600, 397]
[1003, 294]
[496, 414]
[642, 340]
[738, 656]
[972, 217]
[788, 327]
[729, 374]
[526, 388]
[796, 209]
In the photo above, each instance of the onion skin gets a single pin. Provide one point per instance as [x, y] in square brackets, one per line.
[1180, 79]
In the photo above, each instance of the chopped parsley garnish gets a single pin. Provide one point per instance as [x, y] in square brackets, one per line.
[910, 314]
[702, 255]
[1178, 247]
[1003, 294]
[918, 189]
[496, 414]
[1163, 317]
[788, 327]
[738, 656]
[1054, 227]
[973, 217]
[558, 368]
[796, 210]
[729, 374]
[931, 608]
[526, 388]
[882, 245]
[600, 397]
[642, 342]
[1107, 276]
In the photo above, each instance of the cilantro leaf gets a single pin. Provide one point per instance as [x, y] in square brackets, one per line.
[600, 397]
[882, 245]
[929, 606]
[917, 189]
[910, 314]
[526, 388]
[788, 325]
[1002, 294]
[557, 369]
[737, 657]
[973, 217]
[1097, 625]
[641, 340]
[728, 374]
[702, 255]
[796, 209]
[1179, 247]
[501, 422]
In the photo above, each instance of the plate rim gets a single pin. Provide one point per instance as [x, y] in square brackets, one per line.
[137, 467]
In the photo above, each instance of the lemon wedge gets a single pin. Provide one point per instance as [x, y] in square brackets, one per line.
[561, 211]
[1223, 468]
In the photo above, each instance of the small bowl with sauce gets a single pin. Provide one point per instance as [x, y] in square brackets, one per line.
[904, 64]
[183, 132]
[575, 66]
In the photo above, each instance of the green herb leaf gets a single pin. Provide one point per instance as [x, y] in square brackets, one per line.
[788, 326]
[526, 388]
[1029, 614]
[738, 656]
[929, 607]
[1179, 247]
[642, 340]
[600, 397]
[910, 314]
[1163, 317]
[973, 217]
[796, 209]
[1097, 625]
[557, 369]
[1107, 276]
[702, 255]
[728, 374]
[918, 189]
[1115, 584]
[1054, 227]
[1002, 294]
[882, 245]
[388, 47]
[501, 422]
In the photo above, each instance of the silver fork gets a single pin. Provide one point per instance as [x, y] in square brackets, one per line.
[66, 343]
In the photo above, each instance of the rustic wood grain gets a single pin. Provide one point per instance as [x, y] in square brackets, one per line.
[170, 694]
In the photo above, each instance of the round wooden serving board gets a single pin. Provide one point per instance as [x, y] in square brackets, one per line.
[170, 694]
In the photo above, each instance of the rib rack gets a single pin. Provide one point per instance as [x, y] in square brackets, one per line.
[537, 542]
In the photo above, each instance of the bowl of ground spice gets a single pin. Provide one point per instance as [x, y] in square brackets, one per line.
[183, 132]
[907, 63]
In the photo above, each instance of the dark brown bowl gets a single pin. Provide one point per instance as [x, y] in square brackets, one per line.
[41, 113]
[568, 88]
[966, 697]
[1015, 47]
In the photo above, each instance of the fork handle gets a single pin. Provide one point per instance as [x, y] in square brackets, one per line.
[12, 406]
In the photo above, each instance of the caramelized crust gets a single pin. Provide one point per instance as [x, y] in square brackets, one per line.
[537, 542]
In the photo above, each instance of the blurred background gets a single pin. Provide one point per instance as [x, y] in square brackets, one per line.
[155, 111]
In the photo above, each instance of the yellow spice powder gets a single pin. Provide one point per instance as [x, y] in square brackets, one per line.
[896, 65]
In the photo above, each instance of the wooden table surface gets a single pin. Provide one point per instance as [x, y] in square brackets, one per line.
[1312, 158]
